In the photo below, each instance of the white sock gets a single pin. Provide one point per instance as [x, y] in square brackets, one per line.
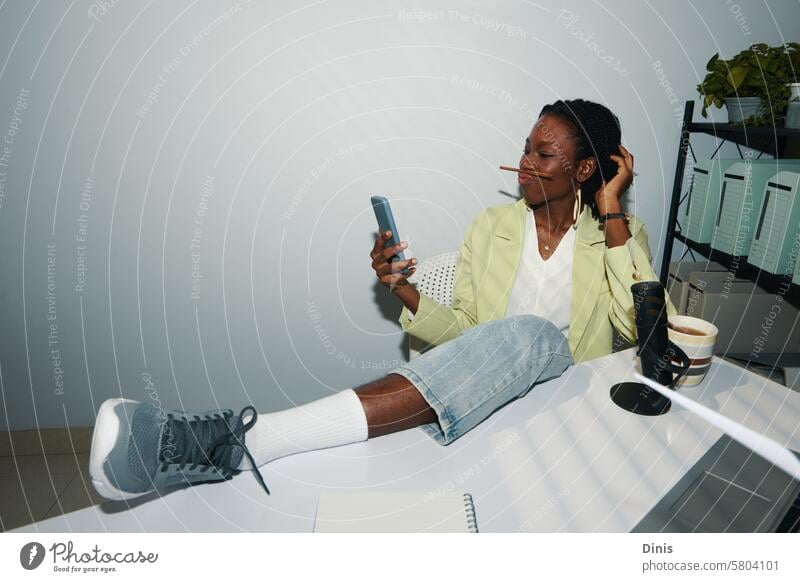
[332, 421]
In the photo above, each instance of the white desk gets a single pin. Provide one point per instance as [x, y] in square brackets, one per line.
[563, 458]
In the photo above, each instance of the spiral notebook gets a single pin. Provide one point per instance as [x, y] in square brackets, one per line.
[348, 512]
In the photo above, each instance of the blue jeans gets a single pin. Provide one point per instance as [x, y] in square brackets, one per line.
[467, 378]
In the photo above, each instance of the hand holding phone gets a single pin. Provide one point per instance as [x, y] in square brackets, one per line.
[388, 259]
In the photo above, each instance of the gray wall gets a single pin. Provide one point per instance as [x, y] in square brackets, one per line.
[146, 144]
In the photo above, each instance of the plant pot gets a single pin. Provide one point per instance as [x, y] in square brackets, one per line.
[740, 109]
[793, 109]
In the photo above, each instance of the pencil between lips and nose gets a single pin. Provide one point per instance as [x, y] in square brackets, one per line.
[525, 171]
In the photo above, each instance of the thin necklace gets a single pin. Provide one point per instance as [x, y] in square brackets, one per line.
[549, 237]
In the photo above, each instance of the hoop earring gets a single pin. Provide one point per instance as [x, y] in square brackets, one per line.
[576, 209]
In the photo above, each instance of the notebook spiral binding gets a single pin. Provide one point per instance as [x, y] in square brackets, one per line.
[469, 506]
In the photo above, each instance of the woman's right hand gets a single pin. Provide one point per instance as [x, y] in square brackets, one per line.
[389, 273]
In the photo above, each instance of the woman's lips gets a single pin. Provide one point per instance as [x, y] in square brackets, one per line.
[526, 178]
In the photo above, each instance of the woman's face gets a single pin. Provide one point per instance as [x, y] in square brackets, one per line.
[551, 149]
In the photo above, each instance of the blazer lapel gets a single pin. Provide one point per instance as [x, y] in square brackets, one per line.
[587, 275]
[511, 226]
[509, 236]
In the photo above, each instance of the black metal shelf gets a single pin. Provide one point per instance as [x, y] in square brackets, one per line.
[770, 140]
[732, 128]
[739, 267]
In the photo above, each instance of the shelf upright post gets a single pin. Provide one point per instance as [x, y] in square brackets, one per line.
[680, 166]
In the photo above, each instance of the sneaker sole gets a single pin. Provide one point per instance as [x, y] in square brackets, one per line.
[104, 436]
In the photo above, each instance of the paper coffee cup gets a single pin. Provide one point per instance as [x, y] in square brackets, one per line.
[698, 345]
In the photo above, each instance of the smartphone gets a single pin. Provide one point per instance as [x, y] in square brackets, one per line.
[383, 213]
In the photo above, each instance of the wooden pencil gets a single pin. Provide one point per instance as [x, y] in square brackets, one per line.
[525, 171]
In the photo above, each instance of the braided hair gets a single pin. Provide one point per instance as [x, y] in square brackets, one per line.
[597, 133]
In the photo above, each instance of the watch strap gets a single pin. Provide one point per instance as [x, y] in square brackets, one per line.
[604, 217]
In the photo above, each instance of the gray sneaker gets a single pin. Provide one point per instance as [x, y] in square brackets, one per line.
[137, 448]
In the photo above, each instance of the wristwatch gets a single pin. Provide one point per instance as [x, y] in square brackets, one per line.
[604, 217]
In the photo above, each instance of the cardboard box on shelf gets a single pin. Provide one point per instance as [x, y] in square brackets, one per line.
[749, 319]
[678, 279]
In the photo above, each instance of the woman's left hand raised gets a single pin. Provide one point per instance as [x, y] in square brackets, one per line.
[609, 195]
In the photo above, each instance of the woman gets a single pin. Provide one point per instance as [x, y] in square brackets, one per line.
[539, 285]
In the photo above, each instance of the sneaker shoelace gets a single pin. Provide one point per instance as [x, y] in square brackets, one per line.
[199, 429]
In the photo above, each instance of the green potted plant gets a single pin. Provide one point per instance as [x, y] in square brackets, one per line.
[753, 85]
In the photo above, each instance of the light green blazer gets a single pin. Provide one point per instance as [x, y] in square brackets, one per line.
[487, 267]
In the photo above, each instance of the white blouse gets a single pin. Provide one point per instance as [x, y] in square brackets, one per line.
[544, 288]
